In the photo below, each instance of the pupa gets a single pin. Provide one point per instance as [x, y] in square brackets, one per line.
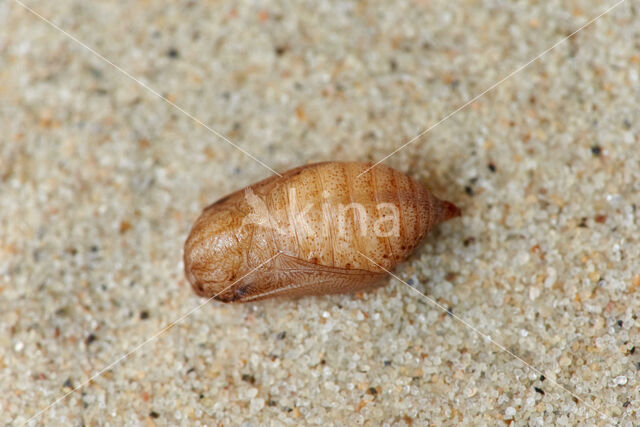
[314, 230]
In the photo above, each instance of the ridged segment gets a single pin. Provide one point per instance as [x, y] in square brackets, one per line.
[313, 233]
[365, 195]
[334, 182]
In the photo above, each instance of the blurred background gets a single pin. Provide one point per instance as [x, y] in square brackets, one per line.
[100, 181]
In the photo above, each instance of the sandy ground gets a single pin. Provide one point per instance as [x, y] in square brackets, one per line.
[100, 181]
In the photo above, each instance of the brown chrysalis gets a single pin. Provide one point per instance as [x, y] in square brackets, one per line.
[305, 232]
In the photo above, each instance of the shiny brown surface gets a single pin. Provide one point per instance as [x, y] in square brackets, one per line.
[305, 233]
